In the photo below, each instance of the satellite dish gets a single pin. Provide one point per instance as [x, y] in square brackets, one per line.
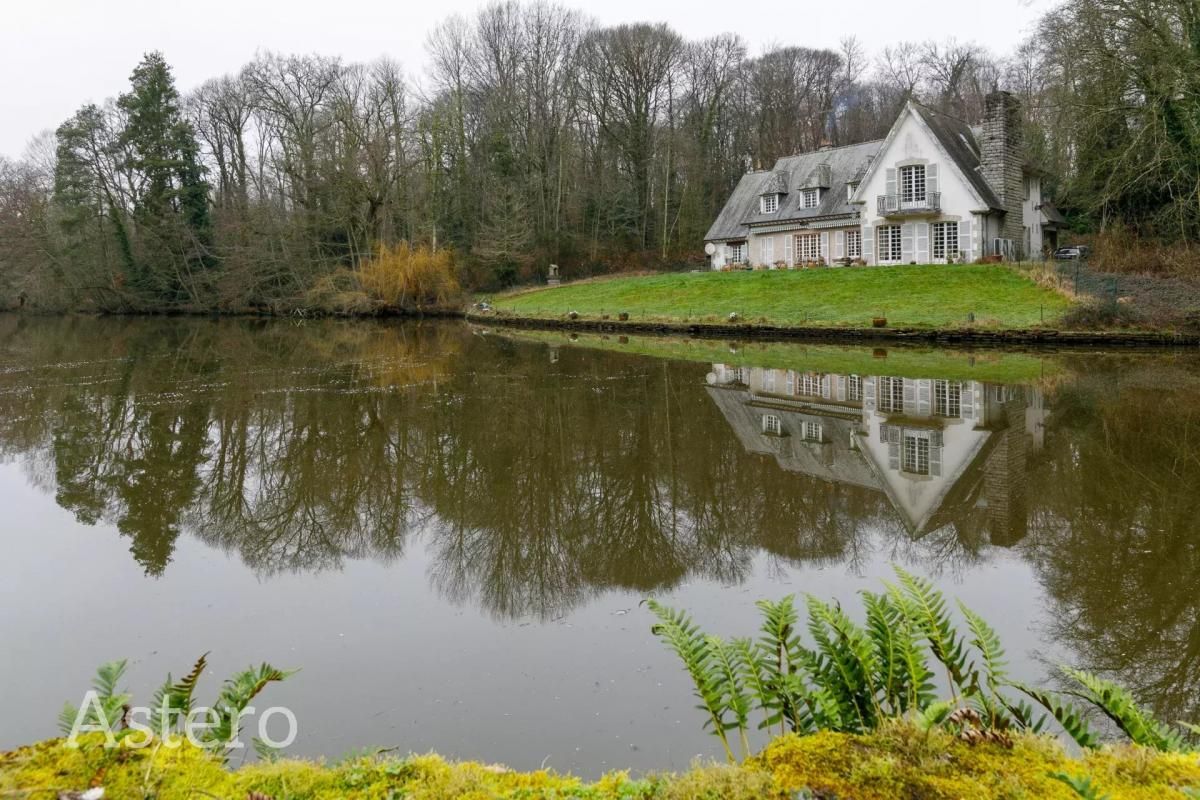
[710, 248]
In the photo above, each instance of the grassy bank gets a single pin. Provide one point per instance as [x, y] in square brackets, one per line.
[909, 361]
[930, 296]
[896, 762]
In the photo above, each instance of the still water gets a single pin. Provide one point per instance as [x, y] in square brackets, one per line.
[449, 529]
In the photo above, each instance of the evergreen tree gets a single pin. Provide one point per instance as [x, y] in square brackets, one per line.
[172, 206]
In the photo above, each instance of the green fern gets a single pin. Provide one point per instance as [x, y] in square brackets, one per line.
[1069, 717]
[694, 649]
[845, 663]
[1119, 706]
[925, 607]
[235, 695]
[1082, 786]
[111, 701]
[173, 701]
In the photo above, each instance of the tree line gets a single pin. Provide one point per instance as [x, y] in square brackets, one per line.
[537, 136]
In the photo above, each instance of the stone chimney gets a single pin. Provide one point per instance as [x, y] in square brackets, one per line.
[1003, 160]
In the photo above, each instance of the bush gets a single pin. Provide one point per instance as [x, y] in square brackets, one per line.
[404, 276]
[1120, 249]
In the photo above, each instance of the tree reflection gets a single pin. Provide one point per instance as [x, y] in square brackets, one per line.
[536, 483]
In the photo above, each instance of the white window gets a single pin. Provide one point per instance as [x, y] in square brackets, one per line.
[912, 184]
[916, 453]
[808, 246]
[947, 399]
[854, 388]
[945, 240]
[853, 244]
[770, 203]
[812, 431]
[769, 381]
[766, 250]
[810, 198]
[772, 425]
[810, 385]
[891, 395]
[737, 253]
[889, 243]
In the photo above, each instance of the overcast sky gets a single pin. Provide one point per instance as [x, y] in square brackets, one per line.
[56, 55]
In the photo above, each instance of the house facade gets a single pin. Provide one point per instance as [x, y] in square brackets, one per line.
[935, 190]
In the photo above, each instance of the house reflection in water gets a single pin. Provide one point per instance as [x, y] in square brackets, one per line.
[944, 452]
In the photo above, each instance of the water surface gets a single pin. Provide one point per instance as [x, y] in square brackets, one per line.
[450, 529]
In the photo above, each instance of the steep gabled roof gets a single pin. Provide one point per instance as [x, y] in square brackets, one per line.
[958, 140]
[961, 143]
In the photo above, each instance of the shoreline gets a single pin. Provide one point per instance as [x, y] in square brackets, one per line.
[985, 337]
[1038, 337]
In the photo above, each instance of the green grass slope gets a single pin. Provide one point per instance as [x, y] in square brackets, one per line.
[929, 296]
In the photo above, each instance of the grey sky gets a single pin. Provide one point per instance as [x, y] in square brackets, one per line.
[56, 55]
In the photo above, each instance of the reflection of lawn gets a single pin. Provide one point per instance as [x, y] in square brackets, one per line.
[904, 361]
[929, 296]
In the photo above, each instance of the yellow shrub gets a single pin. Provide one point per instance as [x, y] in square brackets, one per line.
[407, 276]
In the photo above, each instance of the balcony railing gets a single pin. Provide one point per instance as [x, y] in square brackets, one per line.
[896, 205]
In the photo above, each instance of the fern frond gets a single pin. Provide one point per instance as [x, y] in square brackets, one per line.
[235, 695]
[1067, 716]
[932, 715]
[1119, 706]
[108, 675]
[926, 608]
[173, 701]
[846, 664]
[1081, 785]
[736, 699]
[693, 648]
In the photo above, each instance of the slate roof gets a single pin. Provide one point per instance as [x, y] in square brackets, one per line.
[1052, 214]
[831, 460]
[833, 168]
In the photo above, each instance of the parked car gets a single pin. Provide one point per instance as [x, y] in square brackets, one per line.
[1077, 253]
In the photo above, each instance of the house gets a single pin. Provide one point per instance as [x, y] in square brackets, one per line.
[935, 190]
[941, 451]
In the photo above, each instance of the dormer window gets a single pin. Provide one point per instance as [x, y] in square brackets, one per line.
[810, 198]
[851, 188]
[770, 203]
[772, 425]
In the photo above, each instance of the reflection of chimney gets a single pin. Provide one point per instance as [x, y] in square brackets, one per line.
[1004, 479]
[1003, 159]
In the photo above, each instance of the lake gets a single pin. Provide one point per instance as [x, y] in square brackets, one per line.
[449, 529]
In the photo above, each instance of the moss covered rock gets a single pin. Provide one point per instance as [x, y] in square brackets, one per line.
[899, 762]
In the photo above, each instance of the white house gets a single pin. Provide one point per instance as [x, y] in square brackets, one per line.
[934, 190]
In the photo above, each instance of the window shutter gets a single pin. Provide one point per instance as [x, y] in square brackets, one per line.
[869, 394]
[868, 244]
[824, 244]
[789, 249]
[935, 460]
[968, 404]
[910, 396]
[923, 243]
[839, 244]
[924, 395]
[790, 381]
[906, 243]
[931, 180]
[891, 182]
[966, 243]
[883, 433]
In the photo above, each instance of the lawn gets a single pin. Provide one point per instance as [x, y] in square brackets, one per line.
[996, 366]
[929, 296]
